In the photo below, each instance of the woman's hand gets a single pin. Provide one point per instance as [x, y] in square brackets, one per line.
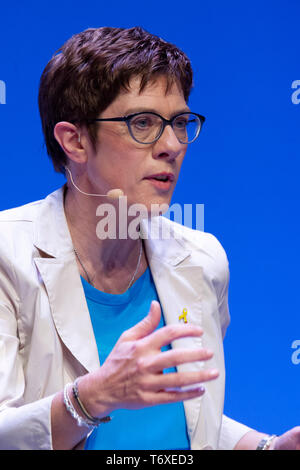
[132, 375]
[290, 440]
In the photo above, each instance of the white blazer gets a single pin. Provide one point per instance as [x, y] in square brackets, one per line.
[46, 335]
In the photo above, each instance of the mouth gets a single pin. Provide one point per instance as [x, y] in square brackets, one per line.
[162, 180]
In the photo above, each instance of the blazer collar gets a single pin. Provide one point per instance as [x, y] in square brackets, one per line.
[51, 233]
[52, 236]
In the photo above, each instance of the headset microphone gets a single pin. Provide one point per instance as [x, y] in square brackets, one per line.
[112, 193]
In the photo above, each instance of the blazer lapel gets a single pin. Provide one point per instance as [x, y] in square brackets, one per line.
[179, 286]
[69, 309]
[57, 266]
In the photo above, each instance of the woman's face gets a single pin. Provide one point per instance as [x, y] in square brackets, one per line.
[121, 162]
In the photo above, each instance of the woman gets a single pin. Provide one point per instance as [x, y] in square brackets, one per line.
[87, 321]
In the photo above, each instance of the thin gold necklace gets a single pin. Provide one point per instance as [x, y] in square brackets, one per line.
[134, 274]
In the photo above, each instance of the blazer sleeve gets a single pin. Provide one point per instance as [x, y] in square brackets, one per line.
[22, 426]
[231, 432]
[220, 278]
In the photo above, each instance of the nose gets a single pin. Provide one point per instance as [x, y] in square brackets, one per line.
[168, 145]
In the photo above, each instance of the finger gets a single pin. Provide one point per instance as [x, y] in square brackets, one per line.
[172, 397]
[175, 357]
[177, 380]
[169, 333]
[145, 326]
[164, 397]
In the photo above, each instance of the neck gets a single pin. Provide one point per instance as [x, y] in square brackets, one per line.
[110, 262]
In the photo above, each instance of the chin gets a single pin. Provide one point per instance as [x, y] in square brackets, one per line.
[149, 205]
[157, 205]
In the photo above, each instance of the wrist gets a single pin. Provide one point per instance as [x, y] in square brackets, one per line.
[273, 443]
[91, 397]
[267, 443]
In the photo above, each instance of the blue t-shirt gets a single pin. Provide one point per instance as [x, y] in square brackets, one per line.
[154, 428]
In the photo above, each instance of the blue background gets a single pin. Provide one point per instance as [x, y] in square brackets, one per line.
[244, 168]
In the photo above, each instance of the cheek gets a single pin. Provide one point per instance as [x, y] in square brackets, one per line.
[123, 166]
[182, 155]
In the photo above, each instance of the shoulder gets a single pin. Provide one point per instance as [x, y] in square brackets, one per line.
[30, 211]
[206, 251]
[19, 230]
[196, 240]
[16, 242]
[24, 213]
[14, 223]
[19, 225]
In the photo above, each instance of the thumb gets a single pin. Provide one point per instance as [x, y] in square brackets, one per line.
[145, 326]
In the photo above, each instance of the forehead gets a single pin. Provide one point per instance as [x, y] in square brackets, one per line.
[158, 94]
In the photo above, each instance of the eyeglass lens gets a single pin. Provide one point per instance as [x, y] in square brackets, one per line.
[146, 128]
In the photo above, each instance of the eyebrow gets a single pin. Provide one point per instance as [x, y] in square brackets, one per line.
[153, 110]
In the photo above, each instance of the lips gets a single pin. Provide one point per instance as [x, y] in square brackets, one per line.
[161, 181]
[163, 176]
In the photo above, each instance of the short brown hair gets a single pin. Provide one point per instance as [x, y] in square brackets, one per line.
[87, 73]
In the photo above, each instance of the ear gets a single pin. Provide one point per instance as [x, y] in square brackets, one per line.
[69, 138]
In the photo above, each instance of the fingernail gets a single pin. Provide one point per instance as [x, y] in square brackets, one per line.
[209, 352]
[213, 372]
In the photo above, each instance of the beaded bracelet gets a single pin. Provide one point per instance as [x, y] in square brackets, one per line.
[70, 408]
[265, 443]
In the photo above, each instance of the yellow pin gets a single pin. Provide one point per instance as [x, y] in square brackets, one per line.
[183, 316]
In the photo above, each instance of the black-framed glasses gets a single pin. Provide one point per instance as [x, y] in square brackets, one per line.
[147, 127]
